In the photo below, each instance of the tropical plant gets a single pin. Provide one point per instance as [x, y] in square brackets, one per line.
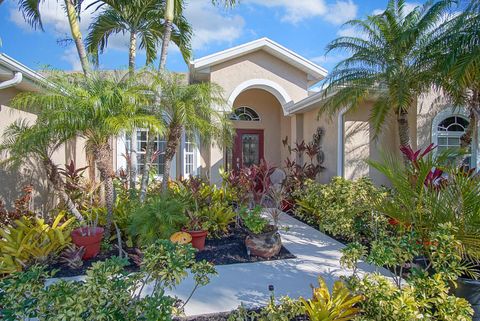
[351, 255]
[430, 191]
[97, 108]
[24, 142]
[285, 310]
[253, 220]
[387, 63]
[340, 305]
[71, 256]
[139, 19]
[427, 298]
[455, 55]
[342, 207]
[22, 207]
[32, 240]
[33, 16]
[193, 109]
[118, 293]
[158, 218]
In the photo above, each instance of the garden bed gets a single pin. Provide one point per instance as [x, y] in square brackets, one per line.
[229, 249]
[224, 317]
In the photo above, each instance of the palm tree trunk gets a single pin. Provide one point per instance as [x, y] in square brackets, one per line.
[132, 53]
[104, 158]
[146, 167]
[77, 35]
[403, 128]
[175, 133]
[57, 182]
[132, 169]
[165, 42]
[469, 136]
[167, 33]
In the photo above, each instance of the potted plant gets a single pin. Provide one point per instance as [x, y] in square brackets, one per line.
[263, 239]
[89, 237]
[197, 228]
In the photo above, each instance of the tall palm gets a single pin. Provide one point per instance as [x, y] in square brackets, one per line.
[97, 108]
[31, 12]
[139, 19]
[456, 53]
[173, 9]
[24, 142]
[196, 109]
[386, 63]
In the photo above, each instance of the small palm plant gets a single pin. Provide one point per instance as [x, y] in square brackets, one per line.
[23, 142]
[193, 109]
[387, 63]
[97, 108]
[340, 305]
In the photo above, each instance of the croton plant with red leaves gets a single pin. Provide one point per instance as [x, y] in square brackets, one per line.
[435, 177]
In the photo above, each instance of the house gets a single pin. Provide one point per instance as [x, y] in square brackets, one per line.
[268, 90]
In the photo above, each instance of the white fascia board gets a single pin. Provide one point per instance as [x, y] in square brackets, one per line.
[15, 66]
[315, 72]
[306, 103]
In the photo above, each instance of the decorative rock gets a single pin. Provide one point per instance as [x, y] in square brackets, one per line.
[264, 245]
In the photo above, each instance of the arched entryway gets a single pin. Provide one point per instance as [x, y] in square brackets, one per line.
[260, 124]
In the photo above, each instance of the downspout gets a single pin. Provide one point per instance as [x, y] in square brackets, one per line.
[17, 78]
[341, 142]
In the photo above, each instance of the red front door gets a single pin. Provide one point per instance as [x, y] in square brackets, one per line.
[248, 148]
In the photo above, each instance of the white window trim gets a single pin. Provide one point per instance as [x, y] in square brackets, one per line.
[196, 156]
[452, 112]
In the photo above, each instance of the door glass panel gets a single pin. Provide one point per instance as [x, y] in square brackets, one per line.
[250, 149]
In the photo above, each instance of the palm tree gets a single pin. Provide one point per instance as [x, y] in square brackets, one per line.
[31, 12]
[456, 53]
[98, 108]
[24, 143]
[195, 109]
[139, 19]
[386, 63]
[173, 9]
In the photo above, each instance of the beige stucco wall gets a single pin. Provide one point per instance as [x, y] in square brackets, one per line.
[360, 142]
[12, 180]
[260, 65]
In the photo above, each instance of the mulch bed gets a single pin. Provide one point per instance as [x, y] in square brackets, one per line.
[226, 250]
[231, 250]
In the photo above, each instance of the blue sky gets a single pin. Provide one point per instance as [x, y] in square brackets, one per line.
[304, 26]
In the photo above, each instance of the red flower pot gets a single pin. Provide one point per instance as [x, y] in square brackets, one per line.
[198, 239]
[90, 241]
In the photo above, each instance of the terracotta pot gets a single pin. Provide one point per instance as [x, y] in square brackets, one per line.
[266, 245]
[198, 239]
[90, 241]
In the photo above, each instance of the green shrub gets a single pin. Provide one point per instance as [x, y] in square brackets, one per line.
[343, 208]
[158, 218]
[425, 299]
[109, 292]
[253, 220]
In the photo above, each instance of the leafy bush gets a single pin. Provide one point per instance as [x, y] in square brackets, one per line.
[32, 240]
[340, 305]
[109, 292]
[343, 208]
[253, 220]
[427, 299]
[158, 218]
[286, 310]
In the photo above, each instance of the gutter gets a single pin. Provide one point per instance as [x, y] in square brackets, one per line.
[341, 142]
[17, 78]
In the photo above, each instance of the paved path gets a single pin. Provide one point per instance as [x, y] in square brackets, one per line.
[316, 254]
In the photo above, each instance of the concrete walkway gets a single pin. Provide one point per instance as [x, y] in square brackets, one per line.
[316, 254]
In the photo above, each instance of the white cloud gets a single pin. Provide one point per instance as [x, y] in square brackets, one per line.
[329, 59]
[70, 55]
[348, 31]
[409, 6]
[295, 10]
[212, 25]
[341, 12]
